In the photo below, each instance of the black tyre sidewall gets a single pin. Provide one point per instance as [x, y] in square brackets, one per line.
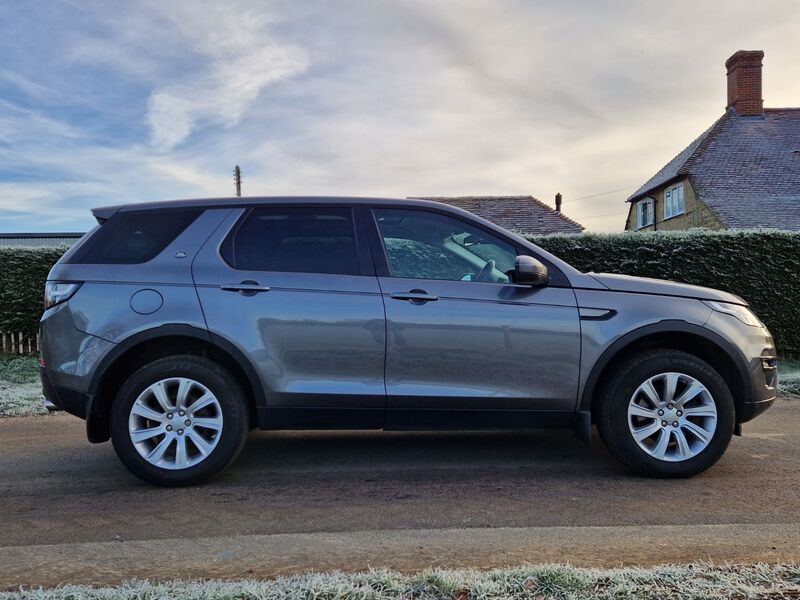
[613, 420]
[225, 389]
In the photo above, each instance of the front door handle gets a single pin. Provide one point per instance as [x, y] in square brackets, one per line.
[245, 288]
[415, 296]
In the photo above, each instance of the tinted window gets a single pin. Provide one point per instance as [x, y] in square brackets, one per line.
[426, 245]
[134, 237]
[295, 239]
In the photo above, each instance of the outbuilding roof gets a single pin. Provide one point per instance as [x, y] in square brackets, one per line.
[524, 214]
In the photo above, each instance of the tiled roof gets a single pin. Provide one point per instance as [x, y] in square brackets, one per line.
[745, 169]
[524, 214]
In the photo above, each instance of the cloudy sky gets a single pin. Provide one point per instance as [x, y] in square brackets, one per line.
[109, 102]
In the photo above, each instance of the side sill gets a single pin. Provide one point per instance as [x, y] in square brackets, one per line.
[444, 420]
[284, 417]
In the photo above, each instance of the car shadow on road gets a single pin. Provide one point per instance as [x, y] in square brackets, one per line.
[397, 452]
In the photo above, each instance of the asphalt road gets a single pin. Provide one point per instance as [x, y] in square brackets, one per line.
[69, 512]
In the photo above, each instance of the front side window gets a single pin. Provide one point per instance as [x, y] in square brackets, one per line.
[427, 245]
[644, 212]
[673, 201]
[294, 239]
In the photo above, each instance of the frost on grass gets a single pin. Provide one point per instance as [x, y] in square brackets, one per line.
[540, 582]
[789, 378]
[20, 389]
[20, 399]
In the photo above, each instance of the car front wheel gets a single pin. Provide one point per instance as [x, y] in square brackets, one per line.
[666, 413]
[179, 420]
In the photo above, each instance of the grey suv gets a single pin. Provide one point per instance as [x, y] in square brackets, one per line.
[173, 328]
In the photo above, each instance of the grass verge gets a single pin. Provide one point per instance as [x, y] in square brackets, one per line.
[536, 582]
[20, 389]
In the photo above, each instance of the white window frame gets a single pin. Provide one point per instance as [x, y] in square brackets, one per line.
[647, 204]
[673, 201]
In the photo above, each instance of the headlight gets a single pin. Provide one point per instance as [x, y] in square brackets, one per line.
[744, 314]
[56, 292]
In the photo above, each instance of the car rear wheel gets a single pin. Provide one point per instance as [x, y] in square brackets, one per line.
[179, 420]
[666, 413]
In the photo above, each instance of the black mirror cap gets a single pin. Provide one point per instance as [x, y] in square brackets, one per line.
[529, 271]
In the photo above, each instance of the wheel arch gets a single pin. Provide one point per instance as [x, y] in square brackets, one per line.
[152, 344]
[723, 356]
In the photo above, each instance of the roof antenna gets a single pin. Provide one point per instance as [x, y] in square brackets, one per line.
[237, 180]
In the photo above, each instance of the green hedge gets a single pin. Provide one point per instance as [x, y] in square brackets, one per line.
[761, 266]
[23, 272]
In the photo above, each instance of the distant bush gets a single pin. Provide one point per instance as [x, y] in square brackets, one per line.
[761, 266]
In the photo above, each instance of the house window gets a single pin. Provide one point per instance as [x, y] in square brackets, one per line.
[644, 212]
[673, 201]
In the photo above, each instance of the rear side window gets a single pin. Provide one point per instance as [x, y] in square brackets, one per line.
[129, 238]
[294, 239]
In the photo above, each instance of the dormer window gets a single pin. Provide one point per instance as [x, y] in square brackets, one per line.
[673, 201]
[644, 213]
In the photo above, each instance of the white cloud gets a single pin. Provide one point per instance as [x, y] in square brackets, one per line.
[240, 57]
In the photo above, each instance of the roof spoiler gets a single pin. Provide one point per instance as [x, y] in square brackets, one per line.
[104, 213]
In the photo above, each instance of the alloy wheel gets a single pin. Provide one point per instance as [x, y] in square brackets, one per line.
[175, 423]
[672, 417]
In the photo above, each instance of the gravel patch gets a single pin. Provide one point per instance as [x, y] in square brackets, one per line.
[536, 582]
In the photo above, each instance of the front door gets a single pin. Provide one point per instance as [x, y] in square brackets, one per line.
[294, 289]
[465, 347]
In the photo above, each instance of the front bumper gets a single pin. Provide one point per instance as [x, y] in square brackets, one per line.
[753, 351]
[765, 386]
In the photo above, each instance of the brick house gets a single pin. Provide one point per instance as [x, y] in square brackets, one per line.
[743, 171]
[522, 214]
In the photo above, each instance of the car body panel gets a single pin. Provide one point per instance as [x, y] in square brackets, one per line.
[78, 335]
[317, 340]
[109, 311]
[630, 313]
[481, 346]
[660, 287]
[71, 355]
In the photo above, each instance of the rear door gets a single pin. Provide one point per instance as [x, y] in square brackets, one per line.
[465, 346]
[294, 288]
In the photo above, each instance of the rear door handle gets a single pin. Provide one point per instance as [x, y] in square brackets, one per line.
[245, 288]
[415, 296]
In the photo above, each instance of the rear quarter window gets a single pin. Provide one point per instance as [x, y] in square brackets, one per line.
[135, 237]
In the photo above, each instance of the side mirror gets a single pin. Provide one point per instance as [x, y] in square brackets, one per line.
[529, 271]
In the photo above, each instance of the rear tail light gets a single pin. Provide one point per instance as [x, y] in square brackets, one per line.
[56, 292]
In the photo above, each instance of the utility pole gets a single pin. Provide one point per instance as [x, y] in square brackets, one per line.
[237, 180]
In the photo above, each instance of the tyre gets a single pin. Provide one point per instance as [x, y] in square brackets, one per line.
[179, 420]
[666, 413]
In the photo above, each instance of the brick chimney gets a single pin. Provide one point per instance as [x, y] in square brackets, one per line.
[744, 82]
[558, 202]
